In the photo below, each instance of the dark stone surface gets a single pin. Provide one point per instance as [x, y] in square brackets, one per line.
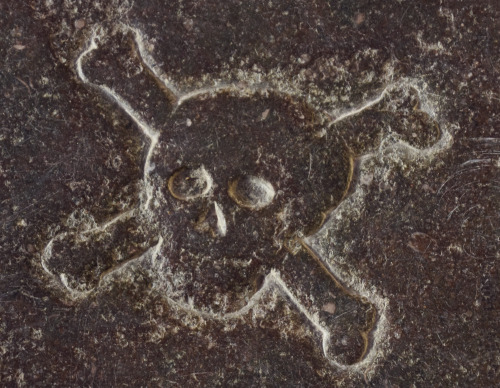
[405, 263]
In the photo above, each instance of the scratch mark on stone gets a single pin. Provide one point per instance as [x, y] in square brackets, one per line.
[363, 107]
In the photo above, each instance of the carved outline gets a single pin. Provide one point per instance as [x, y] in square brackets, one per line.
[273, 279]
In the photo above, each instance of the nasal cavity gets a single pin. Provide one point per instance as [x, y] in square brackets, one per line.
[221, 220]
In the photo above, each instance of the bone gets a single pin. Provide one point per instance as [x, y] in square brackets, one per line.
[113, 64]
[346, 332]
[76, 259]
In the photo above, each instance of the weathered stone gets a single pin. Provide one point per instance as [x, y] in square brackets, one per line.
[257, 193]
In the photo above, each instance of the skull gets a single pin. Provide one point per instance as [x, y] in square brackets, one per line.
[234, 178]
[237, 188]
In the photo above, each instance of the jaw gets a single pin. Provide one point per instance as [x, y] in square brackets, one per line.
[215, 275]
[219, 285]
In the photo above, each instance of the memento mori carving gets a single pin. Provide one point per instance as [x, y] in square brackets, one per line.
[234, 177]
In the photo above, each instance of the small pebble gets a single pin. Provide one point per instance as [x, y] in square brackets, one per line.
[304, 59]
[329, 307]
[188, 24]
[79, 24]
[359, 18]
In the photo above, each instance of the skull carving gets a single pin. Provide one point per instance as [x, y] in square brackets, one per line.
[234, 177]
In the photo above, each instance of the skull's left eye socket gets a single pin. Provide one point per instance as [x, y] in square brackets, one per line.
[190, 183]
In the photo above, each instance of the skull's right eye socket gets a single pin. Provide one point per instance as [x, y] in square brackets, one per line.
[251, 192]
[190, 183]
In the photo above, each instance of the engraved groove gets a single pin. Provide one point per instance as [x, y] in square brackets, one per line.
[251, 192]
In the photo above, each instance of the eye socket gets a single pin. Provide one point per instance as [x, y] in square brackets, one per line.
[251, 192]
[187, 183]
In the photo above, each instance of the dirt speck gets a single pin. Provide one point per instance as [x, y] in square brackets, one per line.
[329, 308]
[79, 24]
